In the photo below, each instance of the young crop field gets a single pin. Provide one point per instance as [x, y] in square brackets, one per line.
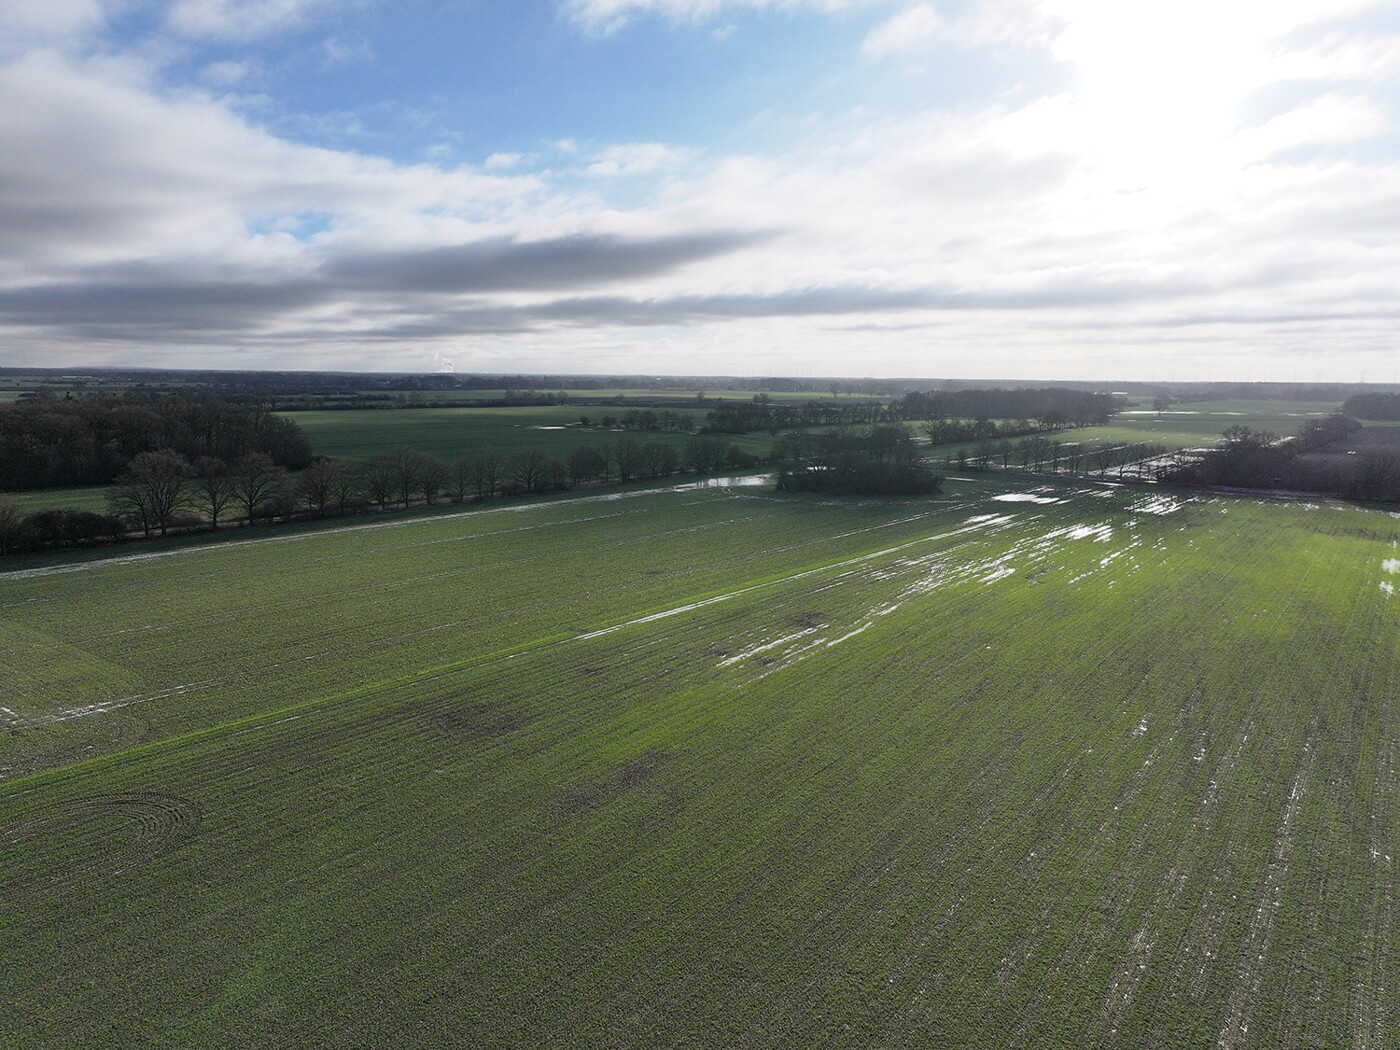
[1065, 766]
[82, 497]
[1192, 424]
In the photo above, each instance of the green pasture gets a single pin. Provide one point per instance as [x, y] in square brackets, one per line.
[83, 497]
[451, 433]
[1188, 425]
[1084, 766]
[1199, 423]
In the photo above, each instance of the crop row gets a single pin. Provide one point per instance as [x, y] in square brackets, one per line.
[707, 768]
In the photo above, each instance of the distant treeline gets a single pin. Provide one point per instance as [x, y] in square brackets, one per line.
[1382, 407]
[1051, 407]
[962, 411]
[766, 415]
[644, 419]
[879, 461]
[161, 491]
[51, 442]
[1258, 459]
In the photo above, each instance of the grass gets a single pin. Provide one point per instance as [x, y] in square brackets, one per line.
[82, 497]
[714, 767]
[1186, 425]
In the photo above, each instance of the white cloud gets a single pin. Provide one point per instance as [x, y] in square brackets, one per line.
[240, 19]
[26, 24]
[915, 29]
[921, 29]
[340, 52]
[503, 161]
[225, 74]
[609, 15]
[1134, 209]
[637, 158]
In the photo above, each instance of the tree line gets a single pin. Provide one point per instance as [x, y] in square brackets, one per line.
[873, 461]
[1040, 455]
[956, 415]
[162, 491]
[1261, 459]
[52, 442]
[1050, 408]
[1379, 407]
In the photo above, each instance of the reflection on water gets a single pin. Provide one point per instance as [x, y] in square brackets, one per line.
[747, 481]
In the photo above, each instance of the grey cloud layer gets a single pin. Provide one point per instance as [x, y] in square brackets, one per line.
[553, 265]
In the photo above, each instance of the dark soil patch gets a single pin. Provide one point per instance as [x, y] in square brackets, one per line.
[479, 720]
[646, 771]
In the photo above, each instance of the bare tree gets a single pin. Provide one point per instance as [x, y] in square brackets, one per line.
[408, 468]
[432, 477]
[628, 457]
[585, 464]
[346, 485]
[486, 473]
[153, 490]
[212, 487]
[527, 469]
[258, 484]
[315, 484]
[11, 525]
[379, 477]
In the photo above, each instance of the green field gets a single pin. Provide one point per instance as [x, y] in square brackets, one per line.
[84, 497]
[1085, 766]
[451, 433]
[1185, 424]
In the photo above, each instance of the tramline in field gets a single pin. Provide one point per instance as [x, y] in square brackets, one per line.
[1059, 766]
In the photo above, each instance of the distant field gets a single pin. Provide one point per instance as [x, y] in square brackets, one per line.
[1187, 425]
[1055, 767]
[681, 397]
[86, 497]
[451, 433]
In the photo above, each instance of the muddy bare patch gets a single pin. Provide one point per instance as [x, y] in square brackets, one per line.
[480, 721]
[807, 621]
[643, 773]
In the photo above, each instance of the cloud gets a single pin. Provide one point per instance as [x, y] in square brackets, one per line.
[610, 15]
[920, 29]
[1132, 208]
[97, 167]
[240, 20]
[503, 265]
[339, 52]
[914, 29]
[26, 24]
[637, 158]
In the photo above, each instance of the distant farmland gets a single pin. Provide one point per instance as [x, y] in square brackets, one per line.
[1067, 766]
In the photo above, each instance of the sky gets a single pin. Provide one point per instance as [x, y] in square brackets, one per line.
[999, 189]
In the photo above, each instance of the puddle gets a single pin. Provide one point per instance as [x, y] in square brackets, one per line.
[1391, 565]
[1101, 533]
[1389, 589]
[1023, 497]
[746, 481]
[1157, 505]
